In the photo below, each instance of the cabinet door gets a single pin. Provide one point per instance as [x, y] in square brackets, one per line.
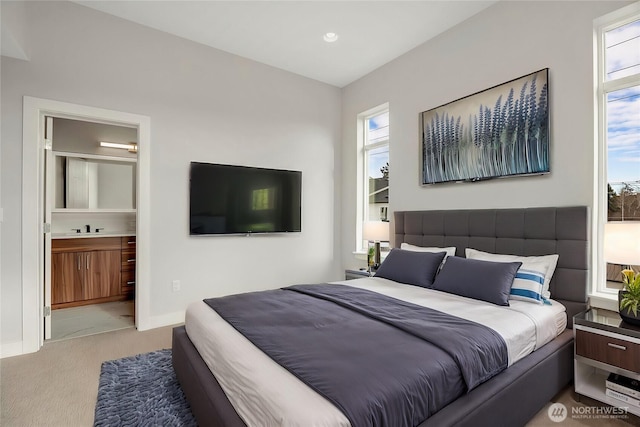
[102, 274]
[67, 276]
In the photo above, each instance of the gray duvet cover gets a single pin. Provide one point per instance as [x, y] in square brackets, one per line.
[381, 361]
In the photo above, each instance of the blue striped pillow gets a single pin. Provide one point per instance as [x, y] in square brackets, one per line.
[528, 284]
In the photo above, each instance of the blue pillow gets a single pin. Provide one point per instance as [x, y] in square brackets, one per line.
[412, 268]
[481, 280]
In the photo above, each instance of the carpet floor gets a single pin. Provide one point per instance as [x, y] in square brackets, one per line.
[58, 385]
[141, 390]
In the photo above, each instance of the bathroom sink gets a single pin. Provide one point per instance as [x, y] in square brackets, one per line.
[87, 234]
[93, 234]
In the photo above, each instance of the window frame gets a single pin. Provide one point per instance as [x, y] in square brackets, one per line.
[363, 148]
[603, 87]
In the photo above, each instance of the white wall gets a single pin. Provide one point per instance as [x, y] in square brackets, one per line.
[205, 105]
[504, 42]
[14, 38]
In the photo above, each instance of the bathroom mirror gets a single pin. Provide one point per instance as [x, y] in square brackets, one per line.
[90, 183]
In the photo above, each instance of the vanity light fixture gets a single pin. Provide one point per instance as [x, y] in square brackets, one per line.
[330, 37]
[133, 148]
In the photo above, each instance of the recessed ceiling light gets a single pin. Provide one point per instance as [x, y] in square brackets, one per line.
[330, 37]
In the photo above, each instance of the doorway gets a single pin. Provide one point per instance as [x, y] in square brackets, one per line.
[35, 312]
[90, 208]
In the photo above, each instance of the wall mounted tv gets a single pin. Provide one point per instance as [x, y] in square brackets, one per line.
[226, 199]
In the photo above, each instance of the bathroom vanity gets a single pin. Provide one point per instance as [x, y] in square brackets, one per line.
[89, 269]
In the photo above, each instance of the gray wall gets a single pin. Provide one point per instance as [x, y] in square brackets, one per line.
[205, 105]
[506, 41]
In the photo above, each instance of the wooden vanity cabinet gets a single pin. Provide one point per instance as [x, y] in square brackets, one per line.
[85, 271]
[67, 277]
[103, 277]
[128, 266]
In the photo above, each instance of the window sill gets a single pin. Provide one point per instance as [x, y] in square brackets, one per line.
[361, 254]
[607, 301]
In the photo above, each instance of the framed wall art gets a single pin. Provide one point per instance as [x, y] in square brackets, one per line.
[499, 132]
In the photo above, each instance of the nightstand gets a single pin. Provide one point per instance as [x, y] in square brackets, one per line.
[356, 274]
[604, 344]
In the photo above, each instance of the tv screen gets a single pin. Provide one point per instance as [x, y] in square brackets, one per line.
[226, 199]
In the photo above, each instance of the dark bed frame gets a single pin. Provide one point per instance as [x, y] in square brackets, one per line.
[510, 398]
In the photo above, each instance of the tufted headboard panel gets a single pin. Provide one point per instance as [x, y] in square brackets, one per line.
[525, 231]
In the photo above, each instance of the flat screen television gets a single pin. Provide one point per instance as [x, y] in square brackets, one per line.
[227, 199]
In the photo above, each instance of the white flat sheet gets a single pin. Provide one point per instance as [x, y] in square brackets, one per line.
[265, 394]
[524, 326]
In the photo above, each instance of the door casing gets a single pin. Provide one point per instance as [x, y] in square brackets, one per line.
[33, 243]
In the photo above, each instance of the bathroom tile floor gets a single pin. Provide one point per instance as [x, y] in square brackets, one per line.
[91, 319]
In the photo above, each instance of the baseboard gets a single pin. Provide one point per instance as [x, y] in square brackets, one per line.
[164, 320]
[11, 349]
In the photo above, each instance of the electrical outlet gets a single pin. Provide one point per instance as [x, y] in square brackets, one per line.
[176, 285]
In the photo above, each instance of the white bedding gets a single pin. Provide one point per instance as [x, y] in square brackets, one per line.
[265, 394]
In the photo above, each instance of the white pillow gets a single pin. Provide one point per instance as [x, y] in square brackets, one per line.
[451, 251]
[543, 264]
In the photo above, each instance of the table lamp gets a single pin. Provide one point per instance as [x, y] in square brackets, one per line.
[376, 231]
[622, 243]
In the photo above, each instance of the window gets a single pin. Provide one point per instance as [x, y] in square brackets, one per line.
[376, 161]
[619, 126]
[373, 164]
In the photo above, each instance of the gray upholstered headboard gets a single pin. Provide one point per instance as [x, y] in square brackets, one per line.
[527, 231]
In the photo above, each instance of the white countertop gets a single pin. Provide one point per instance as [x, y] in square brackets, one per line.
[88, 235]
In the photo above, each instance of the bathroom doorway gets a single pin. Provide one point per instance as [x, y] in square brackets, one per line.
[90, 172]
[35, 310]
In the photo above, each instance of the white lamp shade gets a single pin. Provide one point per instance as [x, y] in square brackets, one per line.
[622, 243]
[375, 231]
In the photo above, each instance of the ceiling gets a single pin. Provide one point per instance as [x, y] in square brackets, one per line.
[289, 34]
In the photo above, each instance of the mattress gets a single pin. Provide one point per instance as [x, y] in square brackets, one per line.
[265, 394]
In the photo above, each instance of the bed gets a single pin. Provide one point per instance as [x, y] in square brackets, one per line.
[513, 396]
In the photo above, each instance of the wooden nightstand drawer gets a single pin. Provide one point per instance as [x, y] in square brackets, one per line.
[612, 351]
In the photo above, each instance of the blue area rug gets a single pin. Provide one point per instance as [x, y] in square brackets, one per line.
[141, 391]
